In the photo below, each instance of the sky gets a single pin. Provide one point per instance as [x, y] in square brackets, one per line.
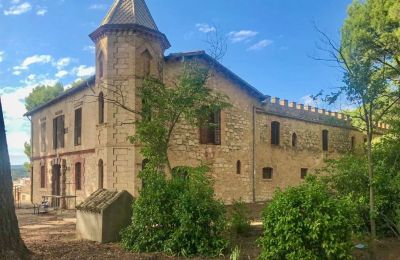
[271, 45]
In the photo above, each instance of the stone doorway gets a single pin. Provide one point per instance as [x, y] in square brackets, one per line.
[56, 184]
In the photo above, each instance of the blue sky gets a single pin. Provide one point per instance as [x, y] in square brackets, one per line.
[270, 45]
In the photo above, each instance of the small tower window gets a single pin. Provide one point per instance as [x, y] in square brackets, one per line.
[275, 133]
[294, 140]
[100, 69]
[325, 140]
[78, 176]
[101, 174]
[267, 173]
[101, 108]
[303, 173]
[238, 167]
[146, 56]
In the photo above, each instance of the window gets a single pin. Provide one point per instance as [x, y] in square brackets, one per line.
[58, 132]
[353, 143]
[238, 167]
[267, 173]
[101, 174]
[101, 65]
[303, 173]
[101, 108]
[294, 140]
[43, 137]
[78, 126]
[42, 176]
[275, 132]
[325, 139]
[78, 176]
[211, 133]
[146, 56]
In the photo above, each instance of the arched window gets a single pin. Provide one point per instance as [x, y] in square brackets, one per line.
[78, 176]
[101, 108]
[238, 167]
[294, 140]
[275, 132]
[101, 174]
[325, 140]
[146, 56]
[42, 177]
[100, 69]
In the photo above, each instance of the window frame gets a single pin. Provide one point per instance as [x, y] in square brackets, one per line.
[211, 133]
[78, 127]
[42, 176]
[101, 108]
[275, 133]
[294, 140]
[59, 132]
[238, 167]
[267, 171]
[43, 133]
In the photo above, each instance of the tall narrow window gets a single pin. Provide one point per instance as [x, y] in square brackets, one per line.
[303, 173]
[78, 126]
[211, 133]
[78, 176]
[42, 176]
[267, 173]
[238, 167]
[101, 174]
[353, 143]
[146, 56]
[294, 140]
[325, 140]
[100, 69]
[275, 132]
[101, 108]
[58, 132]
[43, 136]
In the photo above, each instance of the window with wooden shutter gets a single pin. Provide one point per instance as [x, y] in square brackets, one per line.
[275, 133]
[58, 132]
[78, 176]
[211, 132]
[78, 126]
[55, 133]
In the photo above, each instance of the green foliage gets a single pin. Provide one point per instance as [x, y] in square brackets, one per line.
[42, 94]
[178, 216]
[235, 255]
[240, 221]
[308, 222]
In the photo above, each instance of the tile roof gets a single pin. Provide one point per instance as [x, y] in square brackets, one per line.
[130, 12]
[99, 200]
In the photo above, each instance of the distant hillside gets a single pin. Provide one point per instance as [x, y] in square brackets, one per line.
[18, 171]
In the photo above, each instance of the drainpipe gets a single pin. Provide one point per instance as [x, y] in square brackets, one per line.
[254, 154]
[31, 168]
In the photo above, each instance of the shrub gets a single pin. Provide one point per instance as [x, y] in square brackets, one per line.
[178, 216]
[307, 222]
[240, 222]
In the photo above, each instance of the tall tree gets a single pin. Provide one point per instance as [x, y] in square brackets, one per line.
[42, 94]
[369, 56]
[11, 244]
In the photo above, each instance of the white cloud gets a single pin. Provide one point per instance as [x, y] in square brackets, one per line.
[1, 56]
[40, 59]
[41, 11]
[97, 7]
[241, 35]
[260, 45]
[62, 73]
[62, 63]
[16, 73]
[18, 9]
[308, 101]
[205, 28]
[84, 71]
[89, 48]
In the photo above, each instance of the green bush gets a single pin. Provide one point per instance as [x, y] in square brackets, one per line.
[178, 216]
[240, 222]
[307, 222]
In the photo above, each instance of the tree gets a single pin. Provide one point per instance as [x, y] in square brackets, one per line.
[11, 244]
[369, 57]
[42, 94]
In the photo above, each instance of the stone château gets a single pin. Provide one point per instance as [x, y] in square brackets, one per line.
[80, 138]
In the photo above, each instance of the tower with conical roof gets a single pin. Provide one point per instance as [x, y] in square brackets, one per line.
[129, 47]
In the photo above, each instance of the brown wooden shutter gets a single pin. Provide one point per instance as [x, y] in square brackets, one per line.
[55, 133]
[217, 121]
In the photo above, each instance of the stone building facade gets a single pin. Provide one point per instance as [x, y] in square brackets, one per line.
[80, 139]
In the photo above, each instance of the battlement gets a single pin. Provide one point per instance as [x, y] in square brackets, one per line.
[284, 107]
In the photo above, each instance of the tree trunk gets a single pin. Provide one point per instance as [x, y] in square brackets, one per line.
[11, 244]
[372, 212]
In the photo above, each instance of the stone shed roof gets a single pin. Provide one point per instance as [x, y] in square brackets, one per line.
[99, 201]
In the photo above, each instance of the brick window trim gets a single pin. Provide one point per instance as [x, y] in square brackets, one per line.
[82, 162]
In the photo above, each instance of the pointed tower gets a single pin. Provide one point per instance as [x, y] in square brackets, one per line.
[129, 47]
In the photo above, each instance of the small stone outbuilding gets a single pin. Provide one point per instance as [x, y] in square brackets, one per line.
[103, 215]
